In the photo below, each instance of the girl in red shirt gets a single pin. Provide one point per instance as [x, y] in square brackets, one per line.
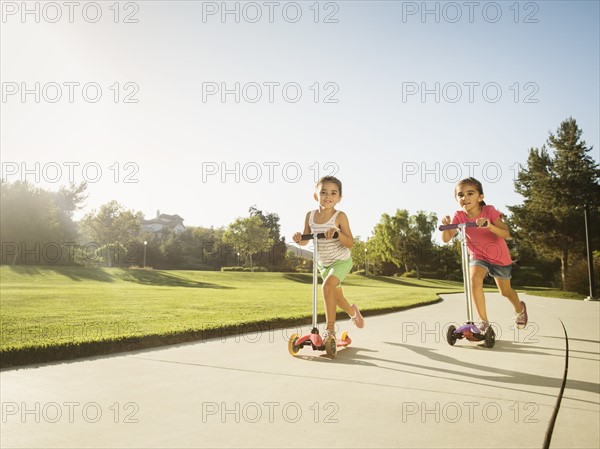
[487, 248]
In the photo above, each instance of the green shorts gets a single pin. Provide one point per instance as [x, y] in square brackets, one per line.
[340, 269]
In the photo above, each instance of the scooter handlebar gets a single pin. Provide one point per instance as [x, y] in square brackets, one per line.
[469, 224]
[321, 235]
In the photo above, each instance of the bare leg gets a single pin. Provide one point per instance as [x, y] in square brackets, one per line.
[342, 302]
[329, 287]
[508, 292]
[477, 275]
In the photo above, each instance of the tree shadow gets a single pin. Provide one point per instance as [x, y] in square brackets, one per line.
[535, 288]
[444, 283]
[73, 273]
[303, 278]
[144, 277]
[24, 269]
[162, 279]
[306, 278]
[397, 281]
[389, 280]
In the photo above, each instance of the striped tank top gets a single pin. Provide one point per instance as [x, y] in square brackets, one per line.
[331, 250]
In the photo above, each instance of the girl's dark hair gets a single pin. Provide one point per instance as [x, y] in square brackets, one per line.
[473, 182]
[332, 179]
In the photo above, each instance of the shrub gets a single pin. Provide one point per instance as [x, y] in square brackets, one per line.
[530, 276]
[137, 267]
[232, 268]
[577, 279]
[256, 269]
[245, 269]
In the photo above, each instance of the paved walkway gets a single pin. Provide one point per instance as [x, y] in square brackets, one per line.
[398, 385]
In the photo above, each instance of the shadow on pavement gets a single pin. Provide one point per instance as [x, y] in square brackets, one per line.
[571, 339]
[493, 374]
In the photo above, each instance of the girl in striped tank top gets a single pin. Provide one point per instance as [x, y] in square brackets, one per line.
[335, 261]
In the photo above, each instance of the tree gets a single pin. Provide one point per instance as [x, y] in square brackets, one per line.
[172, 251]
[359, 253]
[554, 188]
[404, 240]
[278, 251]
[448, 258]
[248, 236]
[270, 221]
[421, 246]
[211, 247]
[36, 224]
[387, 237]
[112, 225]
[68, 200]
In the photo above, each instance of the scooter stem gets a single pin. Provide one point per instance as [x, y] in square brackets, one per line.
[315, 281]
[466, 267]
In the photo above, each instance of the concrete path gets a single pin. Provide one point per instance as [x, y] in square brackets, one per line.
[398, 385]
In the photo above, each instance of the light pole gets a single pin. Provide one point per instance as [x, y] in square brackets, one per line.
[590, 259]
[366, 259]
[238, 254]
[145, 244]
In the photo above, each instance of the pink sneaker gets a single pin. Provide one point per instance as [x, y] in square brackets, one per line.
[483, 327]
[521, 318]
[357, 319]
[328, 333]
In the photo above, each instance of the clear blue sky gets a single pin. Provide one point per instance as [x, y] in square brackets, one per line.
[504, 73]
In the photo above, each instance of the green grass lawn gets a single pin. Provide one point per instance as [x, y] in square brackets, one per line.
[50, 313]
[551, 293]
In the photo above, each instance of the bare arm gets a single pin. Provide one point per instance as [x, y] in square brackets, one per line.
[297, 237]
[345, 234]
[499, 228]
[447, 235]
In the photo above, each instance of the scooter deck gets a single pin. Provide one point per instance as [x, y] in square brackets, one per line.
[317, 342]
[470, 332]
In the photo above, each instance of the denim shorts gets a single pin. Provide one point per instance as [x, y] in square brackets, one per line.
[495, 271]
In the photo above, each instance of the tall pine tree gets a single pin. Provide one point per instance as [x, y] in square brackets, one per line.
[555, 189]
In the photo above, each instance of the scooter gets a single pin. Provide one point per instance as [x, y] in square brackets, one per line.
[329, 345]
[467, 330]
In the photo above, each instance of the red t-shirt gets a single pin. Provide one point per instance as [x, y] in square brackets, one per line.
[484, 244]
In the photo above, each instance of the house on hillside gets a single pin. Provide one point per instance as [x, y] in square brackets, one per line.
[163, 224]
